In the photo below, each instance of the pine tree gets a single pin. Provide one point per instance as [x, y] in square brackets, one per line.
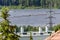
[7, 32]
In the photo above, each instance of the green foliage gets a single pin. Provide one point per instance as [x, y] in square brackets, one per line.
[22, 4]
[27, 28]
[18, 29]
[7, 31]
[43, 28]
[0, 28]
[56, 28]
[4, 12]
[31, 38]
[30, 28]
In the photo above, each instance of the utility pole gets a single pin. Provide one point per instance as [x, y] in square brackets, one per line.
[50, 15]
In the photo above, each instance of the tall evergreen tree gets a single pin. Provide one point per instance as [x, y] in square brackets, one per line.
[7, 32]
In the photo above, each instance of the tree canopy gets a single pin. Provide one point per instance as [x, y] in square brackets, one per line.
[56, 28]
[28, 3]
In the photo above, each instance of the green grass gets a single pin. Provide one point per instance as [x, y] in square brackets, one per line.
[26, 7]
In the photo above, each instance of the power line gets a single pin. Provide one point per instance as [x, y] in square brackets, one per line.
[27, 16]
[35, 15]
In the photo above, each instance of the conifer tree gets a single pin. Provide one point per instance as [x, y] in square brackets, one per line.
[7, 32]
